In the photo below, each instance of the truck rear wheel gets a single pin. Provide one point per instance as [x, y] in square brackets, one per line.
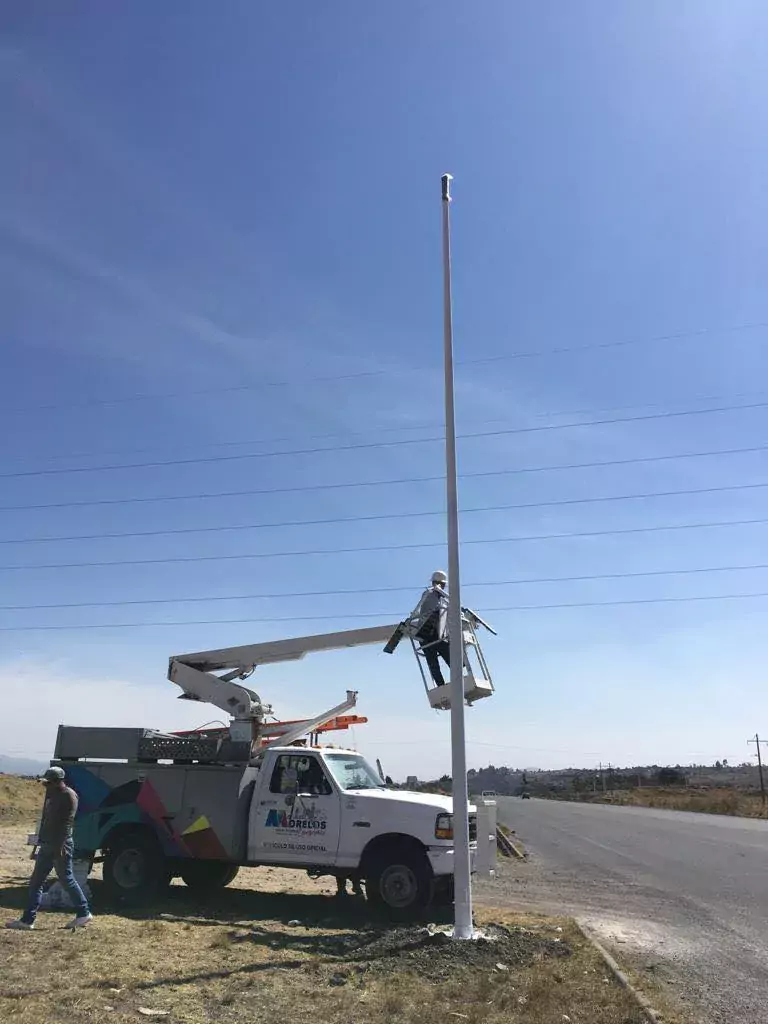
[399, 881]
[204, 876]
[136, 871]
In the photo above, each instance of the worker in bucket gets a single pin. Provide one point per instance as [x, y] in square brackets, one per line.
[428, 620]
[55, 852]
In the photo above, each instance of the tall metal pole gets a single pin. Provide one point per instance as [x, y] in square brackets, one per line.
[757, 741]
[463, 928]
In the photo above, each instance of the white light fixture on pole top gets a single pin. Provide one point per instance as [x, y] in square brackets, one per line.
[463, 926]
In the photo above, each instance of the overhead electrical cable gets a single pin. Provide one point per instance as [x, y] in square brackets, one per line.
[391, 371]
[378, 517]
[516, 471]
[522, 581]
[523, 539]
[393, 616]
[334, 449]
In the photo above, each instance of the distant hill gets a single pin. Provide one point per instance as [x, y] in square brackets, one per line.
[504, 781]
[21, 765]
[563, 782]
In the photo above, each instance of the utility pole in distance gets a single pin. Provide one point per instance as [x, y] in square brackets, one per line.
[757, 741]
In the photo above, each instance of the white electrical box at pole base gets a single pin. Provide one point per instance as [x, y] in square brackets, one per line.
[485, 861]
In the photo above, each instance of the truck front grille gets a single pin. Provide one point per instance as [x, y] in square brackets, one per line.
[473, 828]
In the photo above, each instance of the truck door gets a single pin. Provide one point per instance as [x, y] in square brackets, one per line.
[296, 813]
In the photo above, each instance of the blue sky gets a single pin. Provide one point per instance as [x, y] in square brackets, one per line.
[220, 236]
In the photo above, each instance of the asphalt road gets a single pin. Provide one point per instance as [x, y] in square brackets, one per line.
[685, 895]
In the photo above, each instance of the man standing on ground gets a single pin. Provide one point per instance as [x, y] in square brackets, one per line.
[341, 885]
[55, 852]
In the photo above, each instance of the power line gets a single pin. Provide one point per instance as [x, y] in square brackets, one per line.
[511, 746]
[378, 444]
[431, 425]
[359, 375]
[332, 449]
[559, 467]
[206, 495]
[480, 743]
[646, 573]
[393, 615]
[628, 601]
[378, 517]
[626, 343]
[389, 547]
[632, 600]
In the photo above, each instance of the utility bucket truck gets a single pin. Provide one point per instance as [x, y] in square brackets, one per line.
[199, 805]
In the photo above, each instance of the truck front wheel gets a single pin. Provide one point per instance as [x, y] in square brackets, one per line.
[136, 871]
[399, 881]
[205, 876]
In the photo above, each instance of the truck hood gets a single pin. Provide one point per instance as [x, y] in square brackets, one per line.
[427, 800]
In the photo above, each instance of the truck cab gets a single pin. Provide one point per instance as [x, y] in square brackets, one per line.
[328, 808]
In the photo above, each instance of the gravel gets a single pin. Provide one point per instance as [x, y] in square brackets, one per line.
[435, 956]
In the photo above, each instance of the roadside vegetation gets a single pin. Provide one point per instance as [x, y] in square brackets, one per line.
[675, 798]
[203, 965]
[21, 801]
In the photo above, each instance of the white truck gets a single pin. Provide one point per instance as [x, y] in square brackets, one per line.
[199, 805]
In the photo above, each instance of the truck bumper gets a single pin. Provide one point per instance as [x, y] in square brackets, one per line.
[441, 859]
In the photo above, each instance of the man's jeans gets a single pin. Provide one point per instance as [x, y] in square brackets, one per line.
[431, 653]
[49, 858]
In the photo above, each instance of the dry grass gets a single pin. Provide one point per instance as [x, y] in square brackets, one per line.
[237, 959]
[710, 801]
[21, 801]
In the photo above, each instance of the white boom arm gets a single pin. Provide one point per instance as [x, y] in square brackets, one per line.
[238, 701]
[250, 655]
[194, 673]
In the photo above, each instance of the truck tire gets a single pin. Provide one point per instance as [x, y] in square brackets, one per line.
[136, 872]
[203, 876]
[399, 881]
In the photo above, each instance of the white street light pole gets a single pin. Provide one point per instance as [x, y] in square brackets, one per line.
[463, 927]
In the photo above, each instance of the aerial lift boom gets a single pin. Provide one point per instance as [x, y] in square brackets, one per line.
[196, 675]
[216, 676]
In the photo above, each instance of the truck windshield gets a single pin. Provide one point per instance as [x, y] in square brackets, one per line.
[353, 772]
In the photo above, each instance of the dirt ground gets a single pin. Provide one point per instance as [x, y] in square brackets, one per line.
[277, 945]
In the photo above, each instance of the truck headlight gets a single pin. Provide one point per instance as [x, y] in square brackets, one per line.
[444, 826]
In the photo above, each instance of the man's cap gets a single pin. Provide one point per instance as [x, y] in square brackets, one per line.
[53, 774]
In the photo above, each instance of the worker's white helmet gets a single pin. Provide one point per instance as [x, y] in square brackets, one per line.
[439, 576]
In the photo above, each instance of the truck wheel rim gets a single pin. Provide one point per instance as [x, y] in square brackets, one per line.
[399, 886]
[128, 869]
